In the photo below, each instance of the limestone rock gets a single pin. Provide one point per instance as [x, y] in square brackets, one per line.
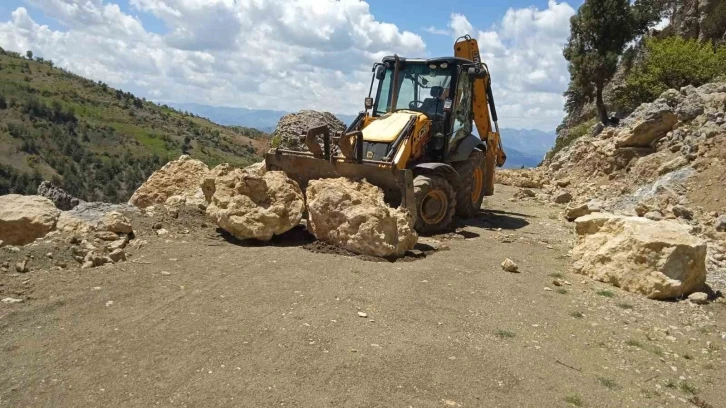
[23, 219]
[291, 126]
[116, 222]
[657, 259]
[682, 212]
[258, 168]
[509, 266]
[562, 197]
[178, 177]
[197, 200]
[720, 223]
[248, 205]
[117, 255]
[353, 215]
[525, 178]
[57, 195]
[649, 122]
[574, 212]
[69, 223]
[698, 298]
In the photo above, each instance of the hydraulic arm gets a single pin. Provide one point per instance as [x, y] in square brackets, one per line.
[483, 103]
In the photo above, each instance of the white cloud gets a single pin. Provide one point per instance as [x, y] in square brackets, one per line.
[251, 53]
[524, 55]
[286, 55]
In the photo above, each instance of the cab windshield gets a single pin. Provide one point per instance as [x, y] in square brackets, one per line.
[421, 87]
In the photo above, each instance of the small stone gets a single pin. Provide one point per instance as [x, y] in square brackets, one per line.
[87, 264]
[61, 264]
[362, 314]
[117, 255]
[165, 273]
[548, 289]
[9, 300]
[562, 197]
[161, 231]
[509, 266]
[556, 282]
[49, 255]
[106, 235]
[563, 183]
[698, 298]
[22, 266]
[682, 212]
[720, 223]
[654, 215]
[157, 226]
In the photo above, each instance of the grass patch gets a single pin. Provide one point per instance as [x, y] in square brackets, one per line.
[709, 366]
[608, 383]
[623, 305]
[557, 275]
[634, 343]
[657, 351]
[669, 383]
[687, 388]
[607, 293]
[574, 399]
[703, 330]
[577, 315]
[504, 334]
[561, 291]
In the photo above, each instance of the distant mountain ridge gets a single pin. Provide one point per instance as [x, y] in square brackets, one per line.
[524, 147]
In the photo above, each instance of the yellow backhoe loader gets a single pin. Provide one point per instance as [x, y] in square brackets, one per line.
[414, 139]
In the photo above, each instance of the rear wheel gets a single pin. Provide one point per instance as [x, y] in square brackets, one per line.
[435, 203]
[471, 191]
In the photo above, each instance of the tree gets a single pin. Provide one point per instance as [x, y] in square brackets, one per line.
[29, 54]
[598, 34]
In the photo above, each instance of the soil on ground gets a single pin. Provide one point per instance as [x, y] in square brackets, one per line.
[197, 318]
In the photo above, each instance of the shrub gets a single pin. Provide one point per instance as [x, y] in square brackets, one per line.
[671, 62]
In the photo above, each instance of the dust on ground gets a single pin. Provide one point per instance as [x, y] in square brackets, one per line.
[197, 318]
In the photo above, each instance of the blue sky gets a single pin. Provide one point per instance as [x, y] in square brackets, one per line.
[318, 51]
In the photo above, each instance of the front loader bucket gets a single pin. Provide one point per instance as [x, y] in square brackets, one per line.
[397, 185]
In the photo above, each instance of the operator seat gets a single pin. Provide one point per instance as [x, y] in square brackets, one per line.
[434, 106]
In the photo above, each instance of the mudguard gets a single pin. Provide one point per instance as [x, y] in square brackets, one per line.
[442, 169]
[466, 146]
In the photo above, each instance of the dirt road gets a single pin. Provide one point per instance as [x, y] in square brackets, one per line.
[195, 320]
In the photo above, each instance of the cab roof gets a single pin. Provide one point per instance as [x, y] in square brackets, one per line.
[437, 60]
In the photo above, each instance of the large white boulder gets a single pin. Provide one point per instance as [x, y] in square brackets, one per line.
[352, 215]
[658, 259]
[23, 219]
[248, 204]
[180, 177]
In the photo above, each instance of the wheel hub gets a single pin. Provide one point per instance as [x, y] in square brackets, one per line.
[434, 206]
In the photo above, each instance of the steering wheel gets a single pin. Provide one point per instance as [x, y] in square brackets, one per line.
[415, 104]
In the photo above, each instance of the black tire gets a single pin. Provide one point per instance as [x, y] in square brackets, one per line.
[467, 204]
[435, 203]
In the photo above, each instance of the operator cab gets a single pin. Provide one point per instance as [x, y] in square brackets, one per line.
[439, 88]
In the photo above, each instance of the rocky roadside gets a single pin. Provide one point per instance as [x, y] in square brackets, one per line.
[665, 163]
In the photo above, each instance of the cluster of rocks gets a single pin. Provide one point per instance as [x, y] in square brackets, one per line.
[97, 236]
[633, 191]
[253, 203]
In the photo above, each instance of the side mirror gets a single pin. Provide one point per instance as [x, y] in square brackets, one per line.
[380, 72]
[368, 103]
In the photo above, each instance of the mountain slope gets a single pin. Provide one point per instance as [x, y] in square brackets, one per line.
[262, 119]
[525, 147]
[96, 142]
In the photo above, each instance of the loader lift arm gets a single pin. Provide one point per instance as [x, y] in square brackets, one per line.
[483, 102]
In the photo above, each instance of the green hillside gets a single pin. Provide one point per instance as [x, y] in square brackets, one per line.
[97, 142]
